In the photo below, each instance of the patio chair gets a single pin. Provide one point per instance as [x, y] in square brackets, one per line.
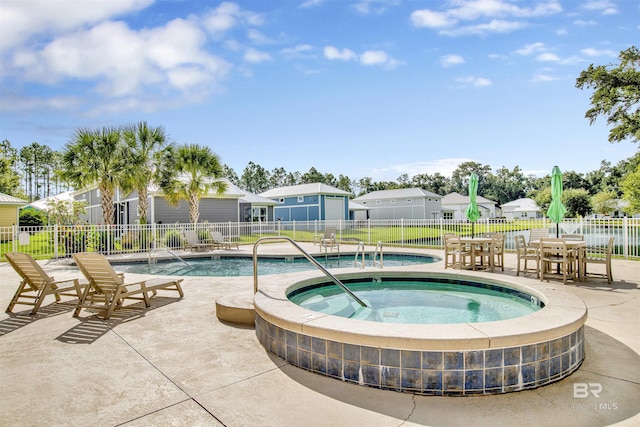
[107, 289]
[526, 253]
[535, 234]
[328, 239]
[220, 242]
[455, 250]
[599, 255]
[496, 251]
[573, 237]
[194, 242]
[554, 252]
[36, 284]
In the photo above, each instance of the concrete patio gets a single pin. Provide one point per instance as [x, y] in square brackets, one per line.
[176, 364]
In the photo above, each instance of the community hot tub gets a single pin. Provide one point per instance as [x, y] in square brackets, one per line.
[468, 358]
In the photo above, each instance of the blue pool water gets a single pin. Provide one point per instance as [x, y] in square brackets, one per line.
[227, 266]
[415, 301]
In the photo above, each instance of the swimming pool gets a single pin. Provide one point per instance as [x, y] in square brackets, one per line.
[230, 266]
[417, 301]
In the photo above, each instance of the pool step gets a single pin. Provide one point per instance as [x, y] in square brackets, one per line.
[236, 309]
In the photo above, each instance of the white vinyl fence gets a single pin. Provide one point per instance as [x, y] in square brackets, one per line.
[62, 241]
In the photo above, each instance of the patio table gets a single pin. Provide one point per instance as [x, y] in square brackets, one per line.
[479, 248]
[578, 247]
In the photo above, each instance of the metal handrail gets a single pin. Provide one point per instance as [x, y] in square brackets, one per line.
[359, 252]
[172, 253]
[377, 252]
[307, 256]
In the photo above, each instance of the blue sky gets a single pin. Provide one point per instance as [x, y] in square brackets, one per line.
[363, 88]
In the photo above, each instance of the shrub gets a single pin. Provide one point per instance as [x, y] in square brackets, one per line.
[32, 218]
[173, 239]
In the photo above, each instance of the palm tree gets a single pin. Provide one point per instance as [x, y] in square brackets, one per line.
[145, 147]
[195, 171]
[96, 157]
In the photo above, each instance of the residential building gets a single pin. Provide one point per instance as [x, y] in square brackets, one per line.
[454, 205]
[402, 203]
[309, 202]
[10, 210]
[524, 208]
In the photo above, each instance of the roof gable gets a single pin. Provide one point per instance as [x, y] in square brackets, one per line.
[6, 199]
[398, 193]
[304, 190]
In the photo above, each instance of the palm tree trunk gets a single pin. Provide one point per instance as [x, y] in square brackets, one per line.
[106, 200]
[143, 204]
[194, 208]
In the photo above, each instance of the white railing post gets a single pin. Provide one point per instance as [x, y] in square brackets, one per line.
[56, 238]
[625, 238]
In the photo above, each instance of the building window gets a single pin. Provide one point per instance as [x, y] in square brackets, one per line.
[447, 215]
[392, 201]
[300, 199]
[378, 202]
[409, 201]
[281, 200]
[364, 203]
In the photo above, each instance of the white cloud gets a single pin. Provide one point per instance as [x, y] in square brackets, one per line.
[258, 38]
[254, 56]
[22, 20]
[474, 81]
[299, 51]
[377, 7]
[606, 7]
[495, 16]
[373, 57]
[531, 49]
[311, 3]
[595, 52]
[547, 57]
[332, 53]
[121, 61]
[582, 23]
[367, 58]
[451, 60]
[430, 19]
[228, 16]
[543, 78]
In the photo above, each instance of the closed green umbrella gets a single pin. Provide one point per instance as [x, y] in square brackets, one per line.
[472, 211]
[556, 209]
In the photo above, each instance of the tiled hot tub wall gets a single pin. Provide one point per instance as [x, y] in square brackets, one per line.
[471, 372]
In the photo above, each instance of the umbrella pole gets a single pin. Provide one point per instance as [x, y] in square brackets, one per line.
[558, 236]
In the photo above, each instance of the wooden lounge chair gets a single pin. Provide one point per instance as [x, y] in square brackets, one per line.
[36, 284]
[107, 289]
[220, 242]
[194, 242]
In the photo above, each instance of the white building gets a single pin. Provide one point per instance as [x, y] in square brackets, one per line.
[454, 204]
[402, 203]
[525, 208]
